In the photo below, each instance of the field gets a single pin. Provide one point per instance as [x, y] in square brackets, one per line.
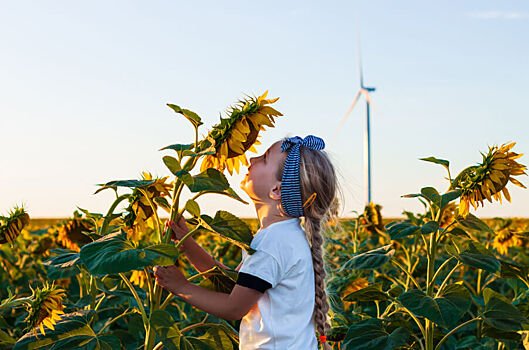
[441, 279]
[361, 297]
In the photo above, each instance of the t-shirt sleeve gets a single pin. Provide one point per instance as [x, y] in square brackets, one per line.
[259, 271]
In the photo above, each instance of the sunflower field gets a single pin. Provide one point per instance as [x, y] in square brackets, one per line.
[440, 279]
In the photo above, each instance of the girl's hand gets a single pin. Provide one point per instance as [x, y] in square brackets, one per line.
[177, 231]
[170, 278]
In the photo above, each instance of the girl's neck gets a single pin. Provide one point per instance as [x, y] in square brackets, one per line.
[268, 214]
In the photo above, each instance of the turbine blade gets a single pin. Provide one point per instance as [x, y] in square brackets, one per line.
[368, 99]
[357, 97]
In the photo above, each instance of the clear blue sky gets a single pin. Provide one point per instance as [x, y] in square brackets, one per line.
[83, 88]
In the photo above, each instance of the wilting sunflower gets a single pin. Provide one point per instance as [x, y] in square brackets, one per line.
[45, 308]
[138, 278]
[12, 225]
[74, 232]
[357, 284]
[448, 216]
[139, 209]
[238, 133]
[504, 239]
[371, 219]
[489, 179]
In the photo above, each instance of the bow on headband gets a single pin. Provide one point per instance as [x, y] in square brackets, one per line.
[290, 183]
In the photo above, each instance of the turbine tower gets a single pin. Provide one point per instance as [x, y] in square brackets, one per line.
[364, 90]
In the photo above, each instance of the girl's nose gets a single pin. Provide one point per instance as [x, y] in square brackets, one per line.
[252, 160]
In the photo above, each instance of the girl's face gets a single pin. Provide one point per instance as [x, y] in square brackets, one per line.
[261, 183]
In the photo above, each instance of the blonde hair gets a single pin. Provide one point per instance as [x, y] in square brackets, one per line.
[317, 175]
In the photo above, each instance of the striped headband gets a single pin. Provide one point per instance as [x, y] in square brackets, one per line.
[290, 183]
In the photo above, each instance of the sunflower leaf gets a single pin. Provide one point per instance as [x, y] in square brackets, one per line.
[113, 254]
[191, 116]
[125, 183]
[442, 162]
[172, 164]
[371, 259]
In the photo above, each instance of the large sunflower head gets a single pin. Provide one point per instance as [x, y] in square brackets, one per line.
[504, 239]
[238, 133]
[11, 226]
[140, 210]
[74, 232]
[489, 179]
[45, 308]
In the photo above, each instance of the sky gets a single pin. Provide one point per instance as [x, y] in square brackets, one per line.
[84, 88]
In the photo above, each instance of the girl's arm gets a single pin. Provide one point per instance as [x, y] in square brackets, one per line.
[227, 306]
[197, 255]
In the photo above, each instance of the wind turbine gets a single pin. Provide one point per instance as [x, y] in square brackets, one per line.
[364, 90]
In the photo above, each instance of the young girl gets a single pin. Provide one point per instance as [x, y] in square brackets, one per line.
[280, 292]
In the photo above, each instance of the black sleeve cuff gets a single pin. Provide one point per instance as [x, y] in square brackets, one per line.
[253, 282]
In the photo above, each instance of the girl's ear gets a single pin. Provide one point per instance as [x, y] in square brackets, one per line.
[275, 192]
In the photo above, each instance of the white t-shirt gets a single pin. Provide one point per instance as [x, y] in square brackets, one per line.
[282, 318]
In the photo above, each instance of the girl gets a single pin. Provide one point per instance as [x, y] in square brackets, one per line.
[280, 293]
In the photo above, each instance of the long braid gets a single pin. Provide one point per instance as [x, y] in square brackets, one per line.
[321, 305]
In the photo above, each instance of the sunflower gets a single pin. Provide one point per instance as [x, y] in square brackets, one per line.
[357, 284]
[138, 278]
[371, 218]
[12, 225]
[45, 308]
[489, 179]
[140, 209]
[448, 216]
[74, 232]
[238, 133]
[504, 239]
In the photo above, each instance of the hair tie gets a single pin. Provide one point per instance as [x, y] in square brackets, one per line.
[323, 338]
[290, 182]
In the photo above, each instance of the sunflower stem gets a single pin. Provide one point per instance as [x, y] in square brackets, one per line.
[106, 221]
[138, 301]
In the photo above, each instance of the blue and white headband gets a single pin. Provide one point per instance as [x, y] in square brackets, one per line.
[290, 182]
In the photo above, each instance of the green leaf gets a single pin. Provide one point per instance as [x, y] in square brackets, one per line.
[442, 162]
[189, 115]
[192, 207]
[63, 265]
[163, 203]
[209, 180]
[230, 228]
[179, 147]
[172, 164]
[72, 331]
[495, 333]
[474, 254]
[402, 228]
[446, 310]
[113, 254]
[500, 313]
[166, 329]
[450, 196]
[125, 183]
[429, 227]
[432, 195]
[512, 270]
[371, 259]
[473, 223]
[370, 293]
[371, 334]
[229, 192]
[219, 280]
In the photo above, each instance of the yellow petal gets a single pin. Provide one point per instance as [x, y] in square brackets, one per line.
[506, 194]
